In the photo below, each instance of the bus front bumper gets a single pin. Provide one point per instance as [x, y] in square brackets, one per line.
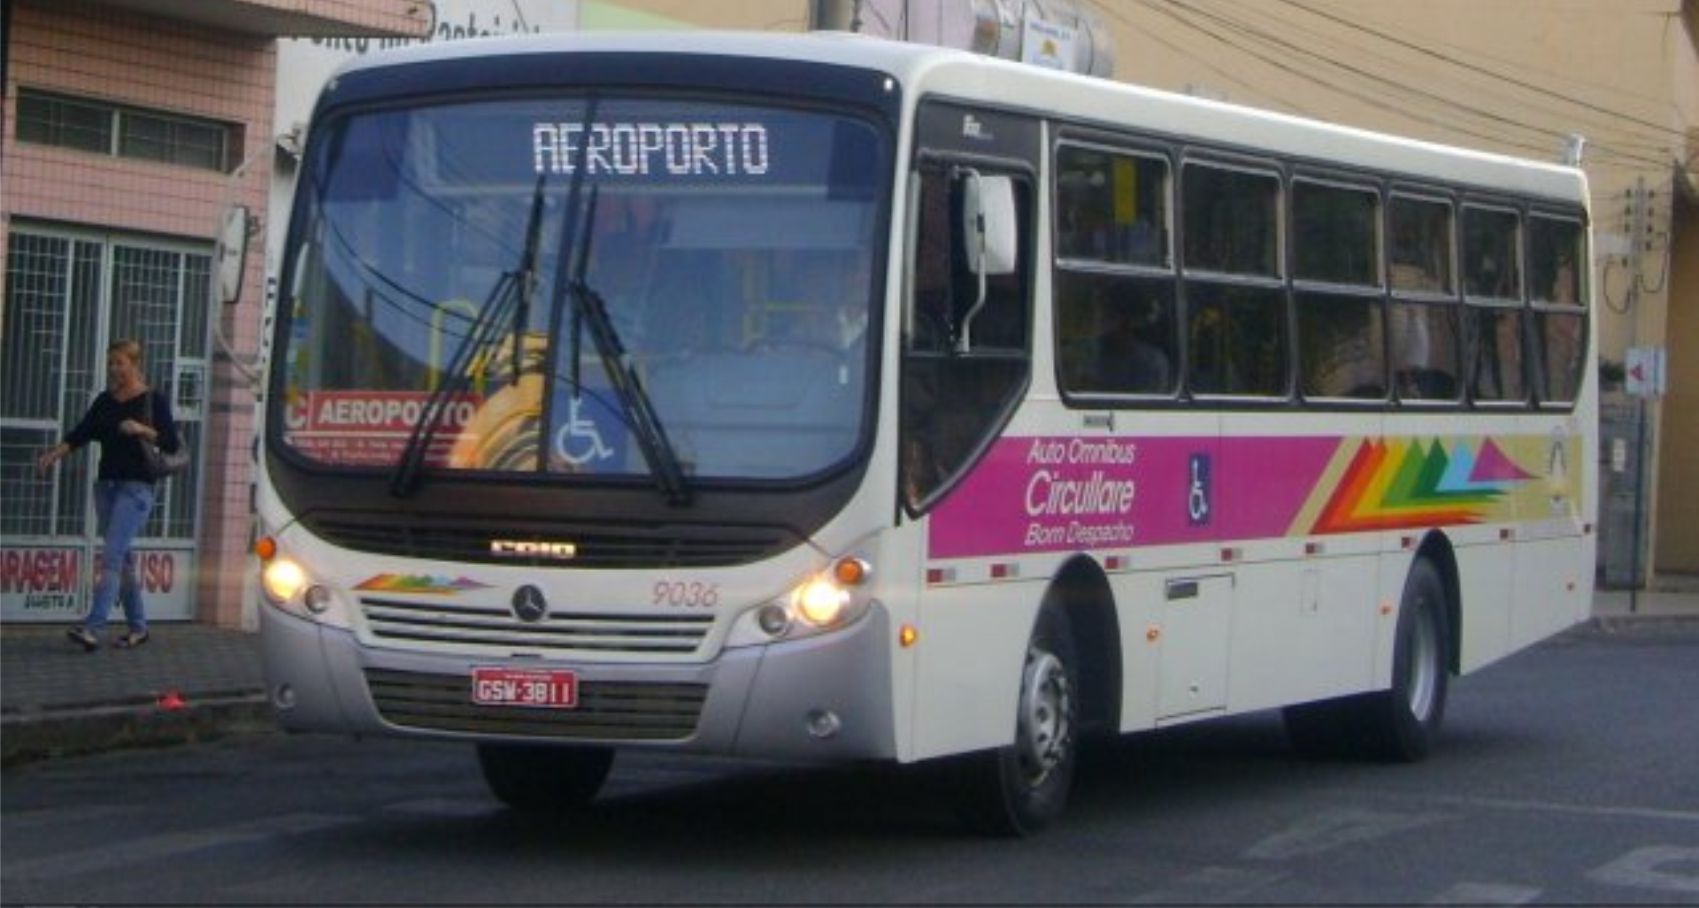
[821, 698]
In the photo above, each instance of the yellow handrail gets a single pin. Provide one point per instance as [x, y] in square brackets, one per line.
[464, 307]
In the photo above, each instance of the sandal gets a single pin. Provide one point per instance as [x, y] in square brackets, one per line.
[81, 637]
[132, 640]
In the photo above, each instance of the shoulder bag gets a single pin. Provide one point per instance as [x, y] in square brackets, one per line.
[159, 463]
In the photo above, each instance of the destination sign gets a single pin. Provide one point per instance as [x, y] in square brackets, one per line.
[648, 148]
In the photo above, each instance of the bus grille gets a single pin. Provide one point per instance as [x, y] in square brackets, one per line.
[606, 711]
[598, 546]
[469, 626]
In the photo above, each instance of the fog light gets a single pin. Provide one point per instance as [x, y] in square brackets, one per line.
[283, 697]
[773, 620]
[282, 579]
[317, 599]
[823, 723]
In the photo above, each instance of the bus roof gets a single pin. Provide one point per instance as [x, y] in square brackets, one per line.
[929, 70]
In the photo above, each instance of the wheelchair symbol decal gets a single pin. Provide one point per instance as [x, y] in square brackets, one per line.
[579, 440]
[1197, 496]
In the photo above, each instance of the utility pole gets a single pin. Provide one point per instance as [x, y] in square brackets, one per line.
[1638, 230]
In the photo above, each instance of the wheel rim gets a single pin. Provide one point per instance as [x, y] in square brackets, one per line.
[1424, 666]
[1046, 717]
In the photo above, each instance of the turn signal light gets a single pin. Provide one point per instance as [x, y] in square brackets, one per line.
[266, 548]
[850, 571]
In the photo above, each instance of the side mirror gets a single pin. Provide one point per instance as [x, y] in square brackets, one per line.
[232, 253]
[989, 230]
[988, 222]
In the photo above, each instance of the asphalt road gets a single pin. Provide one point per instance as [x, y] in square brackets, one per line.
[1567, 775]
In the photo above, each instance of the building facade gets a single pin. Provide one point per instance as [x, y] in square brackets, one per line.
[131, 128]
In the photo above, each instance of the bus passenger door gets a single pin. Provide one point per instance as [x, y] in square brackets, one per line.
[966, 361]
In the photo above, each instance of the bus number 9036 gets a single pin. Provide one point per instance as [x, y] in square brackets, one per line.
[686, 595]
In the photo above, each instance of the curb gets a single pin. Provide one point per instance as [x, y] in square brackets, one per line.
[1614, 624]
[45, 734]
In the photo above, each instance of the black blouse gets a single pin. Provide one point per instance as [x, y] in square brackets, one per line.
[121, 455]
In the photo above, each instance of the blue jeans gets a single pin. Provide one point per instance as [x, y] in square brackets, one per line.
[122, 509]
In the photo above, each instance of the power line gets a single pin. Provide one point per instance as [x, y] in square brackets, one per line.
[1253, 32]
[1155, 5]
[1600, 136]
[1185, 54]
[1458, 61]
[1491, 116]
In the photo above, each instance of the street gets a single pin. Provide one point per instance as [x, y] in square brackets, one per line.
[1566, 775]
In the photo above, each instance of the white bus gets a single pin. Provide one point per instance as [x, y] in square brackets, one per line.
[832, 399]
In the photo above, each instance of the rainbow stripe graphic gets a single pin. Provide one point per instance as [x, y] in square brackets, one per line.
[420, 584]
[1400, 484]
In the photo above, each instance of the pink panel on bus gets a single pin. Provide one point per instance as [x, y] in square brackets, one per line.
[1050, 494]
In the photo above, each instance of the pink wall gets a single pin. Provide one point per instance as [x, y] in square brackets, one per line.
[115, 55]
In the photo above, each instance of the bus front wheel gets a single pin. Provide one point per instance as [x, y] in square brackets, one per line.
[1019, 789]
[543, 779]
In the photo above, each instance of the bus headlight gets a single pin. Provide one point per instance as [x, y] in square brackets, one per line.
[823, 602]
[820, 601]
[282, 579]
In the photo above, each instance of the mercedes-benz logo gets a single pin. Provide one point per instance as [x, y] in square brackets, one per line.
[529, 605]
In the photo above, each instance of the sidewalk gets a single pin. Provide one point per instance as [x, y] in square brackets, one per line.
[188, 682]
[191, 682]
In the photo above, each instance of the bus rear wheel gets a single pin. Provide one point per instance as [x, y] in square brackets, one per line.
[1019, 789]
[1400, 724]
[544, 779]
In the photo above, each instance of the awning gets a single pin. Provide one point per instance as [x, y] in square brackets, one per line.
[295, 18]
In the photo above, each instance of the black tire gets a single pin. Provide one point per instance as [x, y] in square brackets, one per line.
[543, 779]
[1019, 789]
[1404, 722]
[1400, 724]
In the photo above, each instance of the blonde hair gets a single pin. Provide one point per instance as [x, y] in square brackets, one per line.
[128, 348]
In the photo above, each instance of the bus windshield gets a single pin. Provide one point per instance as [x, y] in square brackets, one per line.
[442, 253]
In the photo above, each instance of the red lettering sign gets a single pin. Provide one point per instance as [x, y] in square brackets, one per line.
[370, 428]
[38, 570]
[158, 571]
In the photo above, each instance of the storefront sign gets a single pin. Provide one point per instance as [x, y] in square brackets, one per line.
[53, 583]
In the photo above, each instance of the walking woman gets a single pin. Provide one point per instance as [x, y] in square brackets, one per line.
[126, 413]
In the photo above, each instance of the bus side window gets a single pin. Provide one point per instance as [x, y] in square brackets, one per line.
[1492, 290]
[1556, 260]
[1236, 323]
[1341, 315]
[952, 401]
[1423, 317]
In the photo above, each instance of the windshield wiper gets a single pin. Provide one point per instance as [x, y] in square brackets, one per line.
[637, 410]
[511, 292]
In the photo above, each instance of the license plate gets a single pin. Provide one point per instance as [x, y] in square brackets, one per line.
[524, 687]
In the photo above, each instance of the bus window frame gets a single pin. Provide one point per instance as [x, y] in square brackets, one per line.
[1364, 185]
[1220, 159]
[1451, 297]
[1181, 150]
[1377, 292]
[1027, 238]
[1518, 304]
[1581, 308]
[1065, 137]
[1146, 152]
